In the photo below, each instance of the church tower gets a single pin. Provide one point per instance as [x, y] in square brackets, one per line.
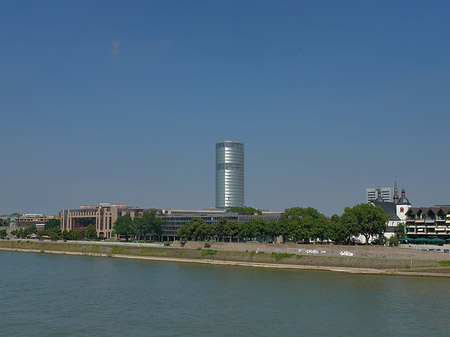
[395, 193]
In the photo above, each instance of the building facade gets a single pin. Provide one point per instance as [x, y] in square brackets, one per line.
[105, 215]
[32, 219]
[175, 219]
[101, 217]
[387, 194]
[428, 222]
[229, 174]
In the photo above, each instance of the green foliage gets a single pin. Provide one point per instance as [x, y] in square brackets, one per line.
[4, 222]
[445, 263]
[296, 225]
[394, 240]
[207, 245]
[298, 257]
[368, 220]
[94, 249]
[208, 252]
[41, 233]
[196, 229]
[245, 210]
[3, 234]
[148, 224]
[89, 233]
[280, 256]
[303, 224]
[23, 233]
[52, 223]
[124, 226]
[400, 230]
[116, 250]
[166, 243]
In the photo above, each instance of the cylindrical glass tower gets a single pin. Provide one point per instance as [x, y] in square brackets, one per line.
[229, 174]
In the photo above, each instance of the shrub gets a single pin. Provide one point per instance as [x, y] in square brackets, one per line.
[182, 243]
[280, 256]
[116, 250]
[445, 263]
[166, 243]
[94, 249]
[393, 240]
[208, 252]
[207, 245]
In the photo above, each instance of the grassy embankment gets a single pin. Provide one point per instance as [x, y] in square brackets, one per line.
[88, 249]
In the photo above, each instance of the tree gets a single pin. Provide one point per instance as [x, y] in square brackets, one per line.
[41, 233]
[3, 233]
[74, 234]
[343, 227]
[217, 229]
[194, 230]
[124, 226]
[89, 232]
[4, 222]
[148, 224]
[30, 229]
[255, 228]
[245, 210]
[52, 223]
[231, 229]
[371, 220]
[298, 223]
[400, 230]
[55, 233]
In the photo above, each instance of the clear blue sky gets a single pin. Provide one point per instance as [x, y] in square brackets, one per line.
[123, 101]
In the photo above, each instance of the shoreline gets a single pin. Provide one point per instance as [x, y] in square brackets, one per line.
[347, 270]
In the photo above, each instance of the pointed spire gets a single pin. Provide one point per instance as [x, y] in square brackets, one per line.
[395, 192]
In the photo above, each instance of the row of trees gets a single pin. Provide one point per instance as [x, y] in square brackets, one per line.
[141, 227]
[295, 224]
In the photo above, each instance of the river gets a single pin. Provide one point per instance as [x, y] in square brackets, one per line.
[57, 295]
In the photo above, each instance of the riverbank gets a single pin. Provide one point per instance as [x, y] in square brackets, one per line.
[408, 263]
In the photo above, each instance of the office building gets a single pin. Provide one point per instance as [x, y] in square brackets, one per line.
[387, 194]
[33, 219]
[229, 174]
[105, 215]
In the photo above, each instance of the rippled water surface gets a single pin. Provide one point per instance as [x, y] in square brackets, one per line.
[57, 295]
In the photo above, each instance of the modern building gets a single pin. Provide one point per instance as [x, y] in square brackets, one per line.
[428, 222]
[229, 174]
[32, 219]
[105, 215]
[387, 193]
[175, 219]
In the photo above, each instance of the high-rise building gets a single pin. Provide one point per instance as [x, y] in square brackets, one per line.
[229, 174]
[387, 194]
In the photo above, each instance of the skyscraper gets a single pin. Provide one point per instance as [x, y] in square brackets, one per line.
[229, 174]
[387, 193]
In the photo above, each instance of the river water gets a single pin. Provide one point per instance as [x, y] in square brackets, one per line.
[57, 295]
